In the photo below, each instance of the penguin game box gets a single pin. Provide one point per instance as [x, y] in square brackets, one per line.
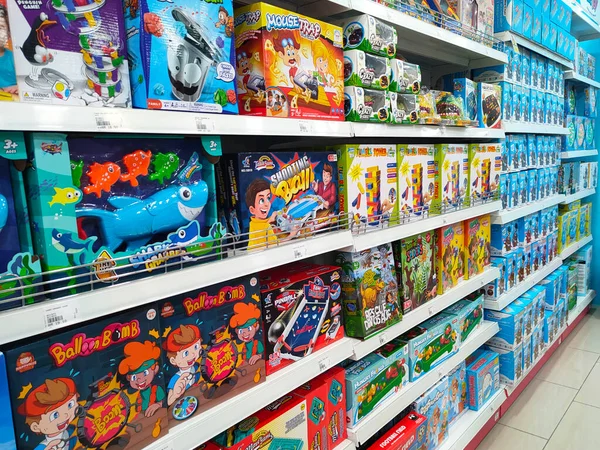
[70, 52]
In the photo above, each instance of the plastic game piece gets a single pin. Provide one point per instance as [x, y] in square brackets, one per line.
[77, 172]
[102, 178]
[164, 166]
[137, 164]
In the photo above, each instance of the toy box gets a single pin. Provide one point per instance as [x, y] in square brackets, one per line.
[510, 320]
[513, 199]
[589, 124]
[479, 165]
[483, 379]
[550, 327]
[523, 185]
[491, 167]
[417, 179]
[71, 53]
[507, 105]
[504, 238]
[489, 105]
[124, 210]
[371, 35]
[104, 380]
[431, 343]
[281, 423]
[469, 313]
[511, 363]
[409, 433]
[477, 245]
[335, 405]
[466, 90]
[404, 108]
[416, 269]
[498, 286]
[504, 190]
[366, 105]
[214, 343]
[365, 70]
[457, 392]
[532, 188]
[451, 256]
[288, 295]
[9, 90]
[536, 347]
[369, 290]
[508, 16]
[552, 285]
[529, 312]
[406, 77]
[374, 378]
[433, 404]
[499, 73]
[288, 65]
[315, 393]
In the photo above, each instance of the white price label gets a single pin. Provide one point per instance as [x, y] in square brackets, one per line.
[382, 338]
[108, 121]
[166, 446]
[431, 311]
[205, 124]
[324, 364]
[56, 316]
[300, 251]
[305, 126]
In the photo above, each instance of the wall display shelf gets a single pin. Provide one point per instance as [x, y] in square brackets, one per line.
[574, 247]
[576, 154]
[508, 36]
[508, 215]
[571, 75]
[522, 127]
[583, 27]
[425, 131]
[583, 301]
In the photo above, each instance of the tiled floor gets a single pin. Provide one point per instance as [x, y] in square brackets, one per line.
[560, 409]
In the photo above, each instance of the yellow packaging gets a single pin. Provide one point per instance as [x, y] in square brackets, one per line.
[477, 245]
[451, 256]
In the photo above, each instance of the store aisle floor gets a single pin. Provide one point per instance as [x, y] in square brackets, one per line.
[560, 409]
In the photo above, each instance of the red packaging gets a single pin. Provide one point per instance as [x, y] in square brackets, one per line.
[335, 405]
[406, 435]
[315, 394]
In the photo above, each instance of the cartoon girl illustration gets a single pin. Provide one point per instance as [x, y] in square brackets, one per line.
[324, 69]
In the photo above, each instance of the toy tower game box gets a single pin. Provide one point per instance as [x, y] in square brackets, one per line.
[213, 343]
[99, 385]
[70, 52]
[288, 65]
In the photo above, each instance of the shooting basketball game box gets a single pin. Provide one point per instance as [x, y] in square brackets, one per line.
[302, 311]
[99, 385]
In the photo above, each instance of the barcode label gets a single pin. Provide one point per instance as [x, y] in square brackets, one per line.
[300, 251]
[204, 124]
[305, 126]
[59, 315]
[108, 121]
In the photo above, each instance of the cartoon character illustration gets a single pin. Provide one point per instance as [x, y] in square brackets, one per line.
[326, 188]
[140, 366]
[184, 347]
[164, 165]
[287, 47]
[225, 20]
[8, 76]
[250, 82]
[34, 48]
[246, 322]
[65, 196]
[433, 428]
[49, 410]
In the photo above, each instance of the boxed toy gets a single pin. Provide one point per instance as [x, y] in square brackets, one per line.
[452, 169]
[589, 124]
[532, 177]
[510, 320]
[507, 105]
[366, 105]
[483, 378]
[368, 171]
[529, 312]
[417, 178]
[408, 433]
[416, 269]
[369, 290]
[335, 405]
[552, 285]
[523, 185]
[365, 70]
[550, 327]
[99, 385]
[508, 16]
[457, 392]
[469, 313]
[406, 77]
[489, 105]
[374, 378]
[433, 404]
[9, 90]
[371, 35]
[404, 108]
[504, 238]
[513, 200]
[497, 287]
[71, 53]
[511, 363]
[451, 256]
[477, 245]
[288, 65]
[491, 167]
[466, 90]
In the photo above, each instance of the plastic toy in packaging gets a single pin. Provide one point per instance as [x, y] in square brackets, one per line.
[370, 35]
[417, 179]
[406, 77]
[404, 108]
[470, 315]
[366, 105]
[365, 70]
[427, 109]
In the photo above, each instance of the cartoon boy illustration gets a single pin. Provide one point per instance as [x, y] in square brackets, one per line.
[183, 346]
[49, 409]
[245, 321]
[288, 49]
[326, 188]
[8, 77]
[456, 404]
[225, 20]
[140, 366]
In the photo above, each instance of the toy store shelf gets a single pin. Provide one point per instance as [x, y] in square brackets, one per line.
[424, 312]
[583, 301]
[374, 238]
[205, 426]
[582, 26]
[574, 247]
[391, 407]
[468, 425]
[508, 297]
[424, 131]
[508, 36]
[29, 117]
[508, 215]
[346, 444]
[578, 195]
[522, 127]
[571, 75]
[101, 302]
[576, 154]
[415, 36]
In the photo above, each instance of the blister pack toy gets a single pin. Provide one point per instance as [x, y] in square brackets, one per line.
[366, 105]
[121, 205]
[451, 256]
[365, 70]
[404, 108]
[371, 35]
[427, 110]
[406, 77]
[417, 179]
[99, 385]
[302, 310]
[287, 64]
[451, 109]
[71, 52]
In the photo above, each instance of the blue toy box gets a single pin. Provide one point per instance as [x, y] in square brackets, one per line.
[520, 265]
[182, 55]
[511, 363]
[507, 104]
[513, 200]
[550, 327]
[537, 295]
[511, 271]
[552, 285]
[497, 287]
[483, 378]
[466, 90]
[527, 360]
[536, 30]
[433, 404]
[537, 342]
[7, 433]
[533, 184]
[501, 239]
[457, 392]
[511, 321]
[529, 313]
[523, 185]
[516, 100]
[470, 316]
[527, 21]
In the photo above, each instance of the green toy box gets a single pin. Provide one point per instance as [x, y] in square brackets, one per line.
[452, 164]
[371, 35]
[366, 105]
[417, 179]
[365, 70]
[470, 315]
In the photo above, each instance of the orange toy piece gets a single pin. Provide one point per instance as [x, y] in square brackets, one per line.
[137, 164]
[102, 177]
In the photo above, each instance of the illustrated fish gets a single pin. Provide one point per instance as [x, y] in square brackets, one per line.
[186, 235]
[65, 196]
[135, 221]
[164, 166]
[137, 164]
[3, 211]
[76, 172]
[103, 177]
[65, 243]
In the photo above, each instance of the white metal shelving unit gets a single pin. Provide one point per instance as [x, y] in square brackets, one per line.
[582, 302]
[576, 154]
[575, 246]
[508, 215]
[578, 196]
[369, 130]
[522, 127]
[571, 75]
[582, 26]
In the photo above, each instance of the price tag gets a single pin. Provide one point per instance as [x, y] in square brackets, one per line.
[324, 364]
[59, 315]
[166, 446]
[300, 251]
[431, 311]
[305, 126]
[205, 124]
[514, 44]
[108, 121]
[497, 416]
[382, 338]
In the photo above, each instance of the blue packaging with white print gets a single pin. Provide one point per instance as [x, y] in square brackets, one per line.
[526, 353]
[510, 321]
[528, 316]
[483, 378]
[538, 295]
[511, 363]
[531, 151]
[513, 199]
[524, 230]
[536, 30]
[504, 190]
[525, 73]
[523, 185]
[520, 264]
[501, 239]
[533, 185]
[550, 329]
[506, 100]
[552, 285]
[525, 100]
[497, 287]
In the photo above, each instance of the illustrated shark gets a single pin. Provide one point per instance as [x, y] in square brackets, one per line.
[64, 243]
[3, 211]
[186, 235]
[135, 221]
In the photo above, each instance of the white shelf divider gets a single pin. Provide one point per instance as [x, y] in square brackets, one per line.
[508, 215]
[522, 127]
[575, 246]
[578, 195]
[571, 75]
[576, 154]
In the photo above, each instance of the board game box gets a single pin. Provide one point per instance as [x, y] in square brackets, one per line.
[477, 245]
[417, 179]
[450, 256]
[452, 164]
[433, 404]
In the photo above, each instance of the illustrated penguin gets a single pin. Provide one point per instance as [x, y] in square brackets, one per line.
[34, 48]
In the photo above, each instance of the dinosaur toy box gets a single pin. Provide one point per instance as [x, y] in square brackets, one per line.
[374, 378]
[452, 166]
[70, 52]
[109, 209]
[369, 290]
[368, 184]
[483, 379]
[477, 245]
[302, 310]
[98, 385]
[287, 64]
[417, 180]
[182, 55]
[451, 256]
[213, 340]
[19, 266]
[277, 197]
[433, 404]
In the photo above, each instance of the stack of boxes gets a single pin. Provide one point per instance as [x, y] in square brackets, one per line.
[581, 112]
[577, 176]
[574, 223]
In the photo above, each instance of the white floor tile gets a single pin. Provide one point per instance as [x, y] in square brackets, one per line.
[539, 408]
[578, 430]
[502, 437]
[568, 367]
[587, 335]
[590, 391]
